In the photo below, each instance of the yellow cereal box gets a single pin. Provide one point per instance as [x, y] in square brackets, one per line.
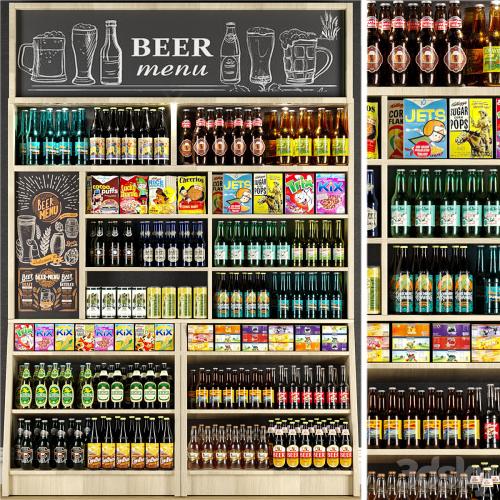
[162, 194]
[268, 194]
[471, 128]
[191, 194]
[372, 130]
[124, 337]
[65, 337]
[164, 337]
[395, 129]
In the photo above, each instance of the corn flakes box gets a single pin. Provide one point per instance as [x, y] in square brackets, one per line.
[24, 337]
[191, 194]
[268, 193]
[471, 127]
[378, 329]
[237, 193]
[453, 356]
[372, 128]
[408, 356]
[395, 129]
[104, 337]
[124, 337]
[425, 126]
[103, 194]
[299, 193]
[164, 337]
[64, 337]
[84, 337]
[44, 337]
[134, 194]
[330, 193]
[162, 194]
[217, 193]
[144, 337]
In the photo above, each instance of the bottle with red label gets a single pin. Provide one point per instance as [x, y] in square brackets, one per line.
[384, 28]
[219, 146]
[441, 29]
[374, 56]
[319, 388]
[210, 136]
[200, 142]
[294, 394]
[257, 146]
[238, 145]
[229, 124]
[344, 398]
[247, 135]
[413, 29]
[279, 450]
[427, 58]
[281, 393]
[491, 419]
[399, 58]
[186, 139]
[307, 391]
[332, 449]
[455, 58]
[331, 389]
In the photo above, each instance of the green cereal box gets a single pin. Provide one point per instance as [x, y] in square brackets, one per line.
[65, 337]
[268, 193]
[124, 337]
[164, 337]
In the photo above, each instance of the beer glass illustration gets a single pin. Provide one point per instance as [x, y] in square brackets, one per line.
[260, 43]
[49, 61]
[300, 51]
[57, 245]
[84, 43]
[25, 236]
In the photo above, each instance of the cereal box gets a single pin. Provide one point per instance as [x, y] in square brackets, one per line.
[378, 329]
[227, 338]
[254, 334]
[164, 337]
[84, 337]
[411, 356]
[307, 342]
[191, 194]
[144, 337]
[217, 193]
[453, 356]
[395, 129]
[486, 356]
[374, 343]
[281, 333]
[450, 330]
[209, 329]
[485, 331]
[281, 346]
[334, 342]
[44, 337]
[299, 193]
[471, 128]
[134, 194]
[228, 329]
[201, 346]
[372, 127]
[411, 343]
[379, 356]
[227, 347]
[162, 194]
[452, 343]
[104, 337]
[124, 337]
[24, 337]
[199, 338]
[65, 337]
[425, 128]
[330, 193]
[410, 329]
[103, 194]
[237, 193]
[254, 347]
[497, 107]
[268, 193]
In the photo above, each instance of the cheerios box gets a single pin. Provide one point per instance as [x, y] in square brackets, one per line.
[24, 337]
[84, 337]
[124, 337]
[164, 337]
[64, 337]
[191, 194]
[44, 337]
[330, 193]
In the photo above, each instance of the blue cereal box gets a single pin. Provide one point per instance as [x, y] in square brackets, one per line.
[425, 126]
[124, 337]
[237, 193]
[65, 337]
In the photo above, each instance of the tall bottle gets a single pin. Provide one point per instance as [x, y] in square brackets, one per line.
[452, 422]
[374, 56]
[400, 207]
[200, 142]
[471, 431]
[398, 58]
[444, 283]
[392, 430]
[423, 282]
[431, 424]
[425, 210]
[464, 285]
[161, 140]
[427, 57]
[186, 139]
[472, 209]
[372, 207]
[321, 141]
[111, 57]
[257, 144]
[449, 209]
[340, 138]
[145, 139]
[492, 288]
[491, 66]
[285, 140]
[475, 44]
[113, 139]
[491, 206]
[455, 58]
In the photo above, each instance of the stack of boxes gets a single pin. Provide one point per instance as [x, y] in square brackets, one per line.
[334, 338]
[307, 337]
[485, 343]
[378, 344]
[200, 337]
[254, 338]
[451, 343]
[281, 338]
[411, 343]
[227, 338]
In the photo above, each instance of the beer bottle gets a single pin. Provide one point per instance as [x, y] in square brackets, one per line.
[372, 207]
[284, 141]
[337, 297]
[33, 139]
[475, 44]
[185, 156]
[303, 141]
[220, 454]
[324, 244]
[257, 144]
[263, 297]
[464, 285]
[193, 451]
[22, 136]
[103, 388]
[269, 246]
[398, 58]
[427, 57]
[229, 125]
[161, 141]
[200, 142]
[449, 210]
[136, 388]
[319, 449]
[381, 487]
[61, 448]
[247, 136]
[87, 388]
[114, 245]
[235, 450]
[470, 422]
[392, 425]
[298, 243]
[492, 284]
[311, 250]
[340, 138]
[62, 137]
[490, 434]
[491, 206]
[152, 447]
[452, 423]
[210, 136]
[248, 455]
[292, 450]
[455, 58]
[400, 207]
[425, 212]
[67, 390]
[42, 455]
[338, 248]
[413, 30]
[283, 246]
[391, 485]
[472, 216]
[412, 421]
[145, 139]
[97, 142]
[431, 424]
[122, 447]
[129, 139]
[321, 141]
[271, 136]
[113, 140]
[443, 283]
[108, 447]
[424, 283]
[94, 447]
[384, 28]
[80, 149]
[238, 145]
[491, 65]
[374, 45]
[344, 396]
[48, 146]
[128, 246]
[137, 447]
[219, 145]
[374, 423]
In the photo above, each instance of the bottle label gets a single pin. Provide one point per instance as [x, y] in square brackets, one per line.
[163, 392]
[292, 456]
[200, 122]
[319, 456]
[284, 146]
[399, 58]
[161, 148]
[219, 146]
[54, 395]
[444, 293]
[81, 147]
[385, 24]
[411, 430]
[152, 455]
[464, 293]
[271, 148]
[283, 252]
[372, 219]
[393, 429]
[166, 455]
[400, 215]
[67, 396]
[338, 255]
[136, 392]
[340, 146]
[426, 22]
[199, 255]
[374, 58]
[122, 455]
[186, 148]
[77, 455]
[87, 396]
[108, 455]
[427, 59]
[305, 456]
[492, 298]
[160, 255]
[449, 216]
[474, 61]
[237, 252]
[431, 429]
[236, 304]
[60, 455]
[43, 455]
[238, 147]
[257, 146]
[452, 429]
[25, 396]
[145, 148]
[423, 293]
[345, 456]
[403, 294]
[455, 59]
[97, 148]
[303, 146]
[254, 252]
[322, 146]
[472, 216]
[425, 215]
[471, 429]
[117, 392]
[150, 392]
[113, 148]
[222, 304]
[371, 22]
[137, 455]
[49, 149]
[129, 148]
[173, 255]
[34, 148]
[491, 215]
[103, 392]
[93, 455]
[455, 22]
[374, 430]
[491, 431]
[64, 148]
[398, 22]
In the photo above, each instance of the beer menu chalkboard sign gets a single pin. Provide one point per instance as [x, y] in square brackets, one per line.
[47, 253]
[167, 53]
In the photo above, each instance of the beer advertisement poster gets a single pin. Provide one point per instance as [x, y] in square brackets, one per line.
[47, 253]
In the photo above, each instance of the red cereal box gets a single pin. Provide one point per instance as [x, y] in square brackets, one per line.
[299, 193]
[134, 194]
[24, 337]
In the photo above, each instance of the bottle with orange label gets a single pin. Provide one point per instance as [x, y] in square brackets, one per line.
[319, 450]
[333, 450]
[152, 446]
[412, 421]
[431, 424]
[122, 447]
[392, 426]
[108, 448]
[471, 425]
[345, 450]
[94, 447]
[137, 447]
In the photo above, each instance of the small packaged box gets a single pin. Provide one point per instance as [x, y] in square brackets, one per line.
[451, 343]
[164, 337]
[307, 342]
[254, 329]
[237, 194]
[334, 342]
[144, 337]
[255, 338]
[201, 329]
[65, 337]
[379, 356]
[227, 338]
[374, 343]
[103, 194]
[134, 194]
[104, 337]
[485, 343]
[228, 329]
[227, 347]
[281, 337]
[307, 329]
[84, 337]
[450, 330]
[411, 329]
[411, 356]
[451, 356]
[485, 356]
[124, 337]
[268, 194]
[378, 329]
[254, 347]
[24, 337]
[395, 129]
[200, 337]
[217, 193]
[162, 194]
[281, 346]
[191, 194]
[411, 343]
[299, 193]
[330, 194]
[44, 337]
[485, 331]
[201, 346]
[195, 338]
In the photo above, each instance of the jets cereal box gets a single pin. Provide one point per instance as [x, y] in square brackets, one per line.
[425, 128]
[471, 128]
[395, 129]
[237, 193]
[268, 193]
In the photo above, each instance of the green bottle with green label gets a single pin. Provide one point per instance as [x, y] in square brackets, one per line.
[54, 387]
[87, 394]
[68, 391]
[449, 209]
[424, 208]
[150, 387]
[103, 392]
[424, 284]
[136, 388]
[464, 284]
[491, 206]
[443, 285]
[472, 216]
[400, 207]
[41, 395]
[25, 388]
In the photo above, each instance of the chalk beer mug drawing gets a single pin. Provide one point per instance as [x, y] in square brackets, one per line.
[300, 51]
[49, 61]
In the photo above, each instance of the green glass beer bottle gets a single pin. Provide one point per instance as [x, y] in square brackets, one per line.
[443, 283]
[33, 152]
[491, 206]
[424, 207]
[464, 285]
[492, 288]
[400, 207]
[423, 282]
[472, 216]
[49, 146]
[449, 209]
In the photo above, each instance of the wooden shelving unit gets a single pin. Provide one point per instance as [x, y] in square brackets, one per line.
[180, 481]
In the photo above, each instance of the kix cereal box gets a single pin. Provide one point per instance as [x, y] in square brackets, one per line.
[65, 337]
[299, 193]
[268, 193]
[372, 127]
[104, 337]
[84, 337]
[237, 193]
[164, 337]
[191, 194]
[217, 193]
[162, 194]
[24, 337]
[471, 127]
[44, 337]
[144, 337]
[124, 337]
[395, 129]
[330, 193]
[425, 125]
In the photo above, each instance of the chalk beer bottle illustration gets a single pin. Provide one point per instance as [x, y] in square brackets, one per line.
[111, 57]
[230, 56]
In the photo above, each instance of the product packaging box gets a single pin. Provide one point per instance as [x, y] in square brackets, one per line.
[144, 337]
[471, 127]
[485, 331]
[425, 128]
[237, 193]
[164, 337]
[192, 194]
[486, 343]
[281, 333]
[217, 193]
[24, 337]
[201, 346]
[379, 356]
[281, 346]
[330, 194]
[65, 337]
[200, 338]
[411, 343]
[227, 338]
[411, 356]
[124, 337]
[254, 347]
[299, 193]
[374, 343]
[395, 129]
[255, 338]
[372, 128]
[311, 342]
[453, 356]
[451, 343]
[206, 329]
[450, 330]
[84, 337]
[486, 356]
[378, 329]
[228, 329]
[134, 194]
[103, 194]
[44, 337]
[162, 194]
[334, 342]
[268, 193]
[227, 347]
[411, 329]
[104, 337]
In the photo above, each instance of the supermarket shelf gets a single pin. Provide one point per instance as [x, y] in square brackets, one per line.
[426, 318]
[391, 456]
[101, 355]
[443, 241]
[395, 91]
[274, 411]
[281, 216]
[95, 412]
[375, 241]
[123, 269]
[296, 356]
[275, 168]
[145, 216]
[277, 269]
[257, 472]
[469, 163]
[98, 473]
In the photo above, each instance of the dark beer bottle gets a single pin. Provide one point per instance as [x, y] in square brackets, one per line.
[200, 143]
[219, 145]
[129, 139]
[96, 140]
[210, 135]
[431, 425]
[238, 145]
[271, 137]
[384, 28]
[475, 44]
[186, 139]
[470, 422]
[374, 54]
[113, 140]
[374, 421]
[257, 144]
[285, 140]
[161, 140]
[427, 57]
[145, 139]
[491, 65]
[247, 135]
[455, 57]
[411, 421]
[303, 141]
[380, 487]
[441, 29]
[399, 58]
[452, 422]
[490, 435]
[392, 428]
[413, 29]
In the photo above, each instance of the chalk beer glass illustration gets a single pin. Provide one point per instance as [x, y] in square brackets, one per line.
[300, 51]
[84, 43]
[49, 61]
[260, 42]
[25, 236]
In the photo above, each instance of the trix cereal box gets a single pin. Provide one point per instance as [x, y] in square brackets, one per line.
[103, 194]
[134, 194]
[395, 129]
[24, 337]
[162, 194]
[217, 193]
[191, 194]
[44, 337]
[425, 128]
[299, 193]
[65, 337]
[84, 337]
[330, 193]
[471, 128]
[237, 193]
[268, 193]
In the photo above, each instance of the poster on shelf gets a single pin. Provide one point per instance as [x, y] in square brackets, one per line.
[46, 245]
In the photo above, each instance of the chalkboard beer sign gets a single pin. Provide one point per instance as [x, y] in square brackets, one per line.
[47, 253]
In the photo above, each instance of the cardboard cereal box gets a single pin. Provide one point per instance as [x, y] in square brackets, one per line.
[192, 194]
[471, 128]
[217, 193]
[237, 193]
[299, 193]
[24, 337]
[104, 337]
[144, 337]
[497, 127]
[372, 127]
[44, 337]
[124, 337]
[65, 337]
[395, 129]
[84, 337]
[103, 194]
[162, 194]
[134, 194]
[164, 337]
[425, 128]
[330, 193]
[268, 193]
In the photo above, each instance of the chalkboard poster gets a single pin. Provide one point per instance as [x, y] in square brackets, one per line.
[186, 52]
[47, 251]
